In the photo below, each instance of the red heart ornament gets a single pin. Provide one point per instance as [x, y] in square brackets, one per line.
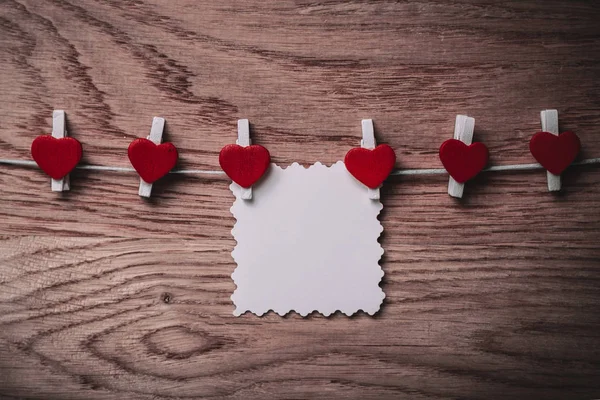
[370, 167]
[244, 165]
[555, 153]
[152, 161]
[56, 157]
[461, 161]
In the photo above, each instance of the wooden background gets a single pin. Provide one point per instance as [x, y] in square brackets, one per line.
[106, 296]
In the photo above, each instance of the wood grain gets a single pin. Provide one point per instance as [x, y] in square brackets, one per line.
[106, 296]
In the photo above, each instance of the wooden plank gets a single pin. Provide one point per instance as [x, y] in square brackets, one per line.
[106, 297]
[159, 73]
[415, 208]
[115, 317]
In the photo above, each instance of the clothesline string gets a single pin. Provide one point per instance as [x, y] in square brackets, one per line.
[423, 171]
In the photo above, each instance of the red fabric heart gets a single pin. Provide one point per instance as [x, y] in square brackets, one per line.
[244, 165]
[152, 161]
[371, 167]
[555, 153]
[56, 157]
[461, 161]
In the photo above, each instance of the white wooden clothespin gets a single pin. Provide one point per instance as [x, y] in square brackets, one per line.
[59, 131]
[244, 141]
[156, 133]
[368, 142]
[550, 125]
[463, 131]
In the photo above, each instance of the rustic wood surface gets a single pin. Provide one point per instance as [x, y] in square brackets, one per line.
[106, 296]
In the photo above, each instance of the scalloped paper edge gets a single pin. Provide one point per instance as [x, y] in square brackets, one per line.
[258, 286]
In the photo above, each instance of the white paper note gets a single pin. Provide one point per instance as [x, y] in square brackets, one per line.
[307, 241]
